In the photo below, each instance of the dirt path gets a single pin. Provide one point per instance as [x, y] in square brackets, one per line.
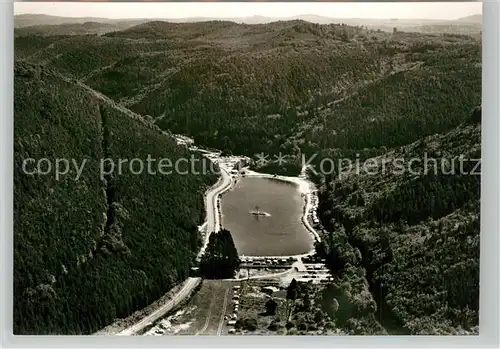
[224, 307]
[207, 321]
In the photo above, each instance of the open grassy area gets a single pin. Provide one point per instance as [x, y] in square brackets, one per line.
[299, 317]
[203, 314]
[253, 318]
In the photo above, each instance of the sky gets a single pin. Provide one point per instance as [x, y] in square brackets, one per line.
[420, 10]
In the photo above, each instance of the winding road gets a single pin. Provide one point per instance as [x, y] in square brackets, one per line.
[186, 289]
[212, 224]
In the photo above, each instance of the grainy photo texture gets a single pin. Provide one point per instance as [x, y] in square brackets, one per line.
[247, 169]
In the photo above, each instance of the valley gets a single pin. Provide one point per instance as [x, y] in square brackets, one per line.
[246, 236]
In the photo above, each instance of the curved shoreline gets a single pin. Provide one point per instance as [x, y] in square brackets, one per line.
[213, 218]
[212, 222]
[305, 187]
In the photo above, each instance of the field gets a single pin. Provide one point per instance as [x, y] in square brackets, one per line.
[241, 307]
[219, 302]
[203, 315]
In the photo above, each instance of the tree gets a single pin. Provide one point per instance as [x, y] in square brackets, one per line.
[271, 307]
[475, 116]
[291, 296]
[220, 260]
[307, 301]
[322, 249]
[101, 261]
[344, 35]
[291, 291]
[335, 305]
[318, 316]
[248, 324]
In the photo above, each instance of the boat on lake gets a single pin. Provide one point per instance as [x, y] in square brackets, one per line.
[258, 212]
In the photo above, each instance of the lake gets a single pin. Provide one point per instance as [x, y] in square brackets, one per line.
[279, 234]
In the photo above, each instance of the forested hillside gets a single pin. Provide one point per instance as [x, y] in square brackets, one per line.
[295, 86]
[88, 250]
[413, 233]
[403, 246]
[26, 45]
[466, 25]
[69, 29]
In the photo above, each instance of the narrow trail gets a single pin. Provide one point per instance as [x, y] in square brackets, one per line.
[374, 81]
[224, 307]
[327, 107]
[91, 74]
[207, 320]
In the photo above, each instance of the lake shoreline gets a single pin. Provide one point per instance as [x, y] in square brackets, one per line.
[305, 188]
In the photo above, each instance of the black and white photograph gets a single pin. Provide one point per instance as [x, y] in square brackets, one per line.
[247, 169]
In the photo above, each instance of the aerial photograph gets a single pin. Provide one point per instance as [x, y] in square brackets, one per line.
[242, 169]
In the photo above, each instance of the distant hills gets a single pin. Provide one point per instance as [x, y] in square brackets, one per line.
[403, 245]
[472, 19]
[52, 25]
[39, 23]
[26, 20]
[85, 28]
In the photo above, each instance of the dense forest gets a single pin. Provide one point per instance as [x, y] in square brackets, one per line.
[297, 87]
[414, 234]
[88, 251]
[403, 247]
[220, 260]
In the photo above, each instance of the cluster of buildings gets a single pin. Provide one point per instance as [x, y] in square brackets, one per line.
[315, 270]
[267, 262]
[314, 208]
[163, 325]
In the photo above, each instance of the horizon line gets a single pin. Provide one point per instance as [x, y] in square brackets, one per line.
[236, 17]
